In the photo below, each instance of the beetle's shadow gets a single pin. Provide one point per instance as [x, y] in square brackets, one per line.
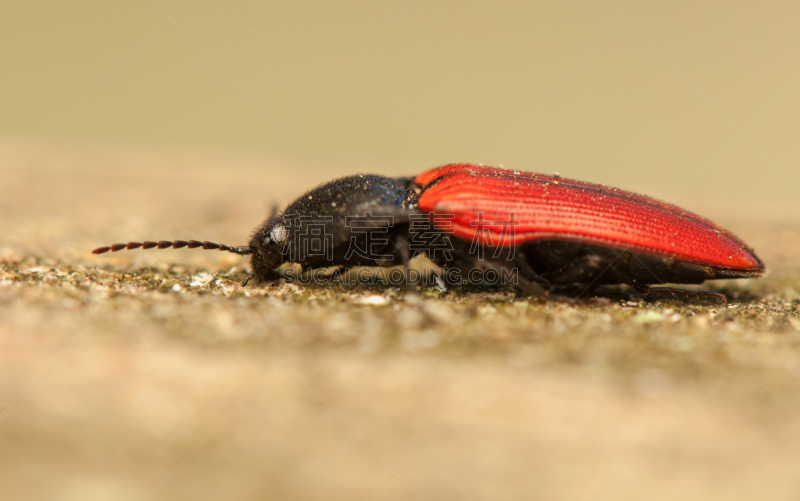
[380, 280]
[618, 293]
[736, 295]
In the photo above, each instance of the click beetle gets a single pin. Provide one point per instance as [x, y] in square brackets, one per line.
[548, 230]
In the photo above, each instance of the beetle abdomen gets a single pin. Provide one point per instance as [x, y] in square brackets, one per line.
[504, 207]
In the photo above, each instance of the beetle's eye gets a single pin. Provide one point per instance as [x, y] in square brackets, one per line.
[278, 234]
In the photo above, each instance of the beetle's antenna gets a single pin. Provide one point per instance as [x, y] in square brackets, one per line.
[176, 244]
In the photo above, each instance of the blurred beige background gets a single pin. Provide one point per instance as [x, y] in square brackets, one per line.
[692, 102]
[120, 379]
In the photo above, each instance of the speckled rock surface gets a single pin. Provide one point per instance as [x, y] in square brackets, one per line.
[158, 375]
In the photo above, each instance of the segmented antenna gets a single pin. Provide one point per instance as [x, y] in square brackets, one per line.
[177, 244]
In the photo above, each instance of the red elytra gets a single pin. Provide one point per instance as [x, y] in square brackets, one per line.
[512, 207]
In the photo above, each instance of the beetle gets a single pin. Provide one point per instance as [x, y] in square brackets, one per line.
[542, 230]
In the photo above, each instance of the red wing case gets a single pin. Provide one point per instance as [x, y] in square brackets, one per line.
[505, 207]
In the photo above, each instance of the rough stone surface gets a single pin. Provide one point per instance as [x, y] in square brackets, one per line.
[156, 374]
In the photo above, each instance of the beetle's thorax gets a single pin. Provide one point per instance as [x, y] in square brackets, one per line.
[326, 213]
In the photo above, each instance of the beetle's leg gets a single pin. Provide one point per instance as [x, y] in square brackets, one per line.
[528, 272]
[249, 277]
[531, 288]
[683, 293]
[679, 293]
[666, 291]
[527, 281]
[401, 245]
[535, 289]
[264, 277]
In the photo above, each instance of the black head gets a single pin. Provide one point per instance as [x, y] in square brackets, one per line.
[268, 244]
